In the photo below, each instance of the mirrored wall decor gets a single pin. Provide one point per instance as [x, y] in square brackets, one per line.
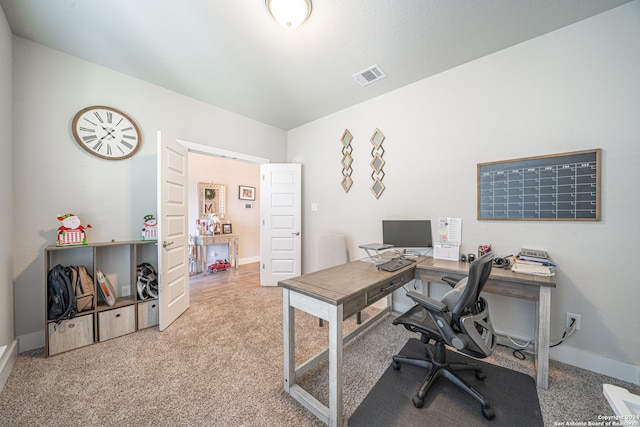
[347, 160]
[377, 163]
[212, 199]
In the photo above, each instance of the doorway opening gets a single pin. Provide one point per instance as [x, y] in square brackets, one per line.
[242, 217]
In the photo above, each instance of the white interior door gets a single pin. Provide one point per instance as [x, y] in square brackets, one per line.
[280, 222]
[173, 247]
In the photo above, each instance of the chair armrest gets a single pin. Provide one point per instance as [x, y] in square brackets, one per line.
[441, 317]
[450, 281]
[430, 304]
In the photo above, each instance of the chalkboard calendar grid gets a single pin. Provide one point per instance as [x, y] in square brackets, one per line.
[554, 187]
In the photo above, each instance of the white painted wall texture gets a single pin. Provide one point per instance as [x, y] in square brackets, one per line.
[7, 343]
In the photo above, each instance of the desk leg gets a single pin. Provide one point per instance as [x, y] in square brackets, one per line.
[288, 322]
[543, 328]
[335, 365]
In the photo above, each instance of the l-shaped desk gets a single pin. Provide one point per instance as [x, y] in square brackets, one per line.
[337, 293]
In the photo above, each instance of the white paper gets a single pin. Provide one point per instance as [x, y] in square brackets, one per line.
[445, 251]
[538, 270]
[450, 230]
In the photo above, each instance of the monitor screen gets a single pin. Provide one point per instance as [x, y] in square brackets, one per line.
[407, 233]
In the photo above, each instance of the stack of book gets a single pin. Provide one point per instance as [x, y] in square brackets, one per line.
[535, 262]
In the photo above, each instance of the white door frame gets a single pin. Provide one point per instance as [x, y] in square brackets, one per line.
[219, 152]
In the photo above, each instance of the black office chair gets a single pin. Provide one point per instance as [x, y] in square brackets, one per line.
[460, 319]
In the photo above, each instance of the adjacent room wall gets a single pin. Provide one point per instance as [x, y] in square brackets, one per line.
[53, 175]
[245, 222]
[573, 89]
[8, 348]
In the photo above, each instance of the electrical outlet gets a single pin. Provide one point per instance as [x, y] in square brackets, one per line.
[573, 316]
[124, 291]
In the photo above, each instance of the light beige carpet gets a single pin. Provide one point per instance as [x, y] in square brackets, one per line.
[221, 364]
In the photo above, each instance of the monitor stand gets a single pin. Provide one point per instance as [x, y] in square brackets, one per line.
[375, 248]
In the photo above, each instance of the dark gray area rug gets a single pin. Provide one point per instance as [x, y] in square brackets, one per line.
[511, 394]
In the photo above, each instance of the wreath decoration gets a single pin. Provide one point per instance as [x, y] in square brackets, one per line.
[209, 194]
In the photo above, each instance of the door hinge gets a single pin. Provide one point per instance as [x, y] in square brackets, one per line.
[263, 266]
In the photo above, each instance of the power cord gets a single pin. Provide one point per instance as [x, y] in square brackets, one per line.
[519, 353]
[503, 262]
[567, 333]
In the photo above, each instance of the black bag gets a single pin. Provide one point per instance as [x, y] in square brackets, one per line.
[62, 298]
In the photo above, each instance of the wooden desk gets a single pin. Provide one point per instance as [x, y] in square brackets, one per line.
[219, 239]
[336, 293]
[506, 282]
[333, 294]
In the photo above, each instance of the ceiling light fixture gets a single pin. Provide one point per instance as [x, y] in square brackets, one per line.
[289, 13]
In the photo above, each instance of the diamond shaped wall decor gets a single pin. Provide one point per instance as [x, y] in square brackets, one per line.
[377, 163]
[347, 160]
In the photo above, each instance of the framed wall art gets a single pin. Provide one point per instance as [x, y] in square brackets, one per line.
[246, 193]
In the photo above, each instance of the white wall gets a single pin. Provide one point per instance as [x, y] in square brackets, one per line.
[574, 89]
[53, 175]
[245, 222]
[7, 343]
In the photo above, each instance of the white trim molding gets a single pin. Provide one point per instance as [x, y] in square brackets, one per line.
[8, 356]
[596, 363]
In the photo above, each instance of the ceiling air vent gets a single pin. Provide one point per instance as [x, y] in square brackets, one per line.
[369, 75]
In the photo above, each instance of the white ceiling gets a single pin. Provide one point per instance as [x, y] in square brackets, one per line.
[232, 54]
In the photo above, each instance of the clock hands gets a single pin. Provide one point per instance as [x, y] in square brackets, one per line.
[109, 133]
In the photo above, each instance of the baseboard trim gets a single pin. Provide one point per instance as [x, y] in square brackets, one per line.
[248, 260]
[596, 363]
[30, 341]
[8, 356]
[580, 359]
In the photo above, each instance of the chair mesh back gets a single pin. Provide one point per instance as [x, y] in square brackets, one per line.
[479, 272]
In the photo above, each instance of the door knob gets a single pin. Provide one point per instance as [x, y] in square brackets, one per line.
[165, 244]
[297, 233]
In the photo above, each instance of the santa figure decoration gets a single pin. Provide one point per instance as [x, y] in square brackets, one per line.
[71, 232]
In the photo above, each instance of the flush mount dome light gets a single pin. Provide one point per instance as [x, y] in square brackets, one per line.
[289, 13]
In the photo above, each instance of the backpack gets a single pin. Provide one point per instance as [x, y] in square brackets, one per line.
[61, 294]
[83, 286]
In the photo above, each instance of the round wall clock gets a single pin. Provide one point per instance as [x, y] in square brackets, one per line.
[106, 132]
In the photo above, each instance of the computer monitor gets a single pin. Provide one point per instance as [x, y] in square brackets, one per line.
[407, 233]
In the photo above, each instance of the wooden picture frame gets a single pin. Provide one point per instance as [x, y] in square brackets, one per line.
[246, 192]
[226, 229]
[554, 187]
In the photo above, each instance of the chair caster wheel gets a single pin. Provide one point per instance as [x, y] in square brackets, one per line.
[488, 412]
[395, 365]
[417, 402]
[480, 375]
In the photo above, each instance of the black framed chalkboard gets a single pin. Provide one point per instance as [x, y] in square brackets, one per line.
[555, 187]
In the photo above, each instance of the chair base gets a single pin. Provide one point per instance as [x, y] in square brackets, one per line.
[438, 367]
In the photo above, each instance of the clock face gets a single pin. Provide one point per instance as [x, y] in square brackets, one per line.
[106, 132]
